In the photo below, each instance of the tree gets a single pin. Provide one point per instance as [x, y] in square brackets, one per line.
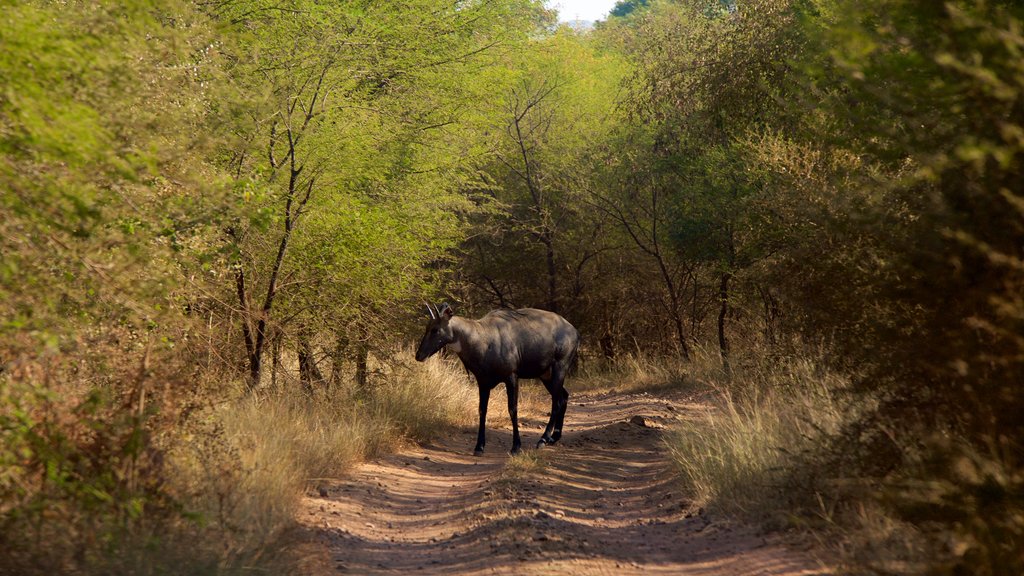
[352, 97]
[632, 194]
[105, 186]
[624, 8]
[717, 83]
[551, 120]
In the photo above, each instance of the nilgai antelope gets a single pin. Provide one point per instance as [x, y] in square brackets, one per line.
[504, 346]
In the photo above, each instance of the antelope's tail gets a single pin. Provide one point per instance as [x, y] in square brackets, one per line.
[574, 359]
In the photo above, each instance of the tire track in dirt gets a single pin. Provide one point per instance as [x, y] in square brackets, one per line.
[603, 501]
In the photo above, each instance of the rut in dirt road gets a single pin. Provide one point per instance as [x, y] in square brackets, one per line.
[605, 501]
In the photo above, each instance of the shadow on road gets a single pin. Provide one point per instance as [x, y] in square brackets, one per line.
[604, 501]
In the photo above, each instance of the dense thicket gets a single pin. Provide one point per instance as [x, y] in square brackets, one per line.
[199, 195]
[191, 191]
[846, 176]
[860, 169]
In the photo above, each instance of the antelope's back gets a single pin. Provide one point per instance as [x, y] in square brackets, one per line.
[541, 337]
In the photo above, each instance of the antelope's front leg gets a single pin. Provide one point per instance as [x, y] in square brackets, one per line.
[485, 394]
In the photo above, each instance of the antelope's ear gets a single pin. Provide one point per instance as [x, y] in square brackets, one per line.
[446, 310]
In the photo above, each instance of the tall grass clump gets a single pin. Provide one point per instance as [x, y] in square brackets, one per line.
[420, 398]
[751, 450]
[630, 372]
[255, 457]
[522, 467]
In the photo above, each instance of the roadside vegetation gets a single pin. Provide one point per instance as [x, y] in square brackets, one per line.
[756, 449]
[219, 221]
[261, 454]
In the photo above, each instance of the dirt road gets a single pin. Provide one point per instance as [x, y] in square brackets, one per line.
[604, 501]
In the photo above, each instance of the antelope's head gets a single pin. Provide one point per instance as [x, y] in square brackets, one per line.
[438, 333]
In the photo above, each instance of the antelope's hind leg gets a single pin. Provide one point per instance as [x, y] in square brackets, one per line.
[563, 404]
[512, 391]
[545, 438]
[559, 401]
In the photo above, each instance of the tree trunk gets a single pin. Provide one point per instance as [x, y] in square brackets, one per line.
[362, 375]
[255, 371]
[677, 316]
[723, 296]
[695, 316]
[546, 231]
[771, 314]
[255, 342]
[252, 353]
[648, 241]
[338, 361]
[255, 339]
[607, 339]
[309, 374]
[549, 247]
[275, 348]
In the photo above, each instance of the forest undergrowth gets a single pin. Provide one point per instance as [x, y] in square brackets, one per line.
[231, 474]
[220, 220]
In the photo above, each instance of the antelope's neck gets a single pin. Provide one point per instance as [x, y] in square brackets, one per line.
[463, 330]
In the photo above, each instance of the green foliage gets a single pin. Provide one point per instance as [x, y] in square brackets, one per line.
[624, 8]
[82, 481]
[368, 127]
[91, 178]
[927, 198]
[180, 180]
[550, 126]
[104, 181]
[928, 96]
[859, 165]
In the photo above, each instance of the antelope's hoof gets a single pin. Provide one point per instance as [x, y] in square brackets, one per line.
[515, 450]
[542, 443]
[478, 452]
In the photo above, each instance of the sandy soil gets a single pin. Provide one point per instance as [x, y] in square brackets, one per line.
[603, 501]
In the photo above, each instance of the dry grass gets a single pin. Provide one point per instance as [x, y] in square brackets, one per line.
[631, 373]
[254, 458]
[523, 466]
[416, 399]
[526, 464]
[636, 372]
[870, 537]
[766, 416]
[761, 450]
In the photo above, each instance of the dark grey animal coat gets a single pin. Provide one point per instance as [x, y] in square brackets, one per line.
[504, 346]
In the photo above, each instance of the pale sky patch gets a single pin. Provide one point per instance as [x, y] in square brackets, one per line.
[581, 9]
